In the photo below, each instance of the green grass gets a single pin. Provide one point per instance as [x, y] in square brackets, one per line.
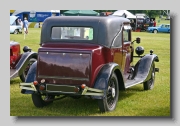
[132, 102]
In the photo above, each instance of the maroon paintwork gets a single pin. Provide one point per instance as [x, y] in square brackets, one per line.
[76, 63]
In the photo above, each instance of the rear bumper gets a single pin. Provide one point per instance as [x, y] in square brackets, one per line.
[30, 88]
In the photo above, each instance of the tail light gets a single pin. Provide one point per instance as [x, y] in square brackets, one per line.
[35, 83]
[42, 87]
[83, 86]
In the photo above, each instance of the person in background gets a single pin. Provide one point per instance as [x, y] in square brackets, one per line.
[20, 23]
[154, 23]
[25, 25]
[151, 23]
[132, 25]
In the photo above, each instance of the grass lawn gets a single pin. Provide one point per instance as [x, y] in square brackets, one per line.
[132, 102]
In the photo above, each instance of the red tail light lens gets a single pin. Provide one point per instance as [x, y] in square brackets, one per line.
[83, 86]
[35, 83]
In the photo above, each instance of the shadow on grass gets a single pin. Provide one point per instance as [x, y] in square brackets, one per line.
[130, 91]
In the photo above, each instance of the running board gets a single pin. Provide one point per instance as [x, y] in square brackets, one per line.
[130, 83]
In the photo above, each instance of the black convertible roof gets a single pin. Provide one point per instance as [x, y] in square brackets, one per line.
[104, 27]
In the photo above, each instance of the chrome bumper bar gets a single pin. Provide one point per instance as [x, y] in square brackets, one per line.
[65, 89]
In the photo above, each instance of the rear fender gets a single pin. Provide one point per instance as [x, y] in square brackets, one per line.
[105, 73]
[31, 76]
[23, 62]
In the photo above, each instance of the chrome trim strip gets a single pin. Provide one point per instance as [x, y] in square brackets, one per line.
[60, 77]
[28, 86]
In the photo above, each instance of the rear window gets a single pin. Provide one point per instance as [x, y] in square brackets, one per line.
[76, 33]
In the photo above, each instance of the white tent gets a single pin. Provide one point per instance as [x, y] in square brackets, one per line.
[124, 12]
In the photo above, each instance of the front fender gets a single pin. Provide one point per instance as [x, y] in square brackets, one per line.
[142, 68]
[22, 63]
[105, 73]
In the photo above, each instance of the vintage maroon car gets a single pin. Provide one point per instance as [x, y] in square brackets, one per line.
[87, 56]
[20, 61]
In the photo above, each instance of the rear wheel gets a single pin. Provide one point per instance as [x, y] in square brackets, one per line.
[24, 74]
[112, 93]
[41, 100]
[149, 84]
[155, 31]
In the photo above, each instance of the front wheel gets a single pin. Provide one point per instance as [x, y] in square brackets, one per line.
[149, 84]
[41, 101]
[108, 103]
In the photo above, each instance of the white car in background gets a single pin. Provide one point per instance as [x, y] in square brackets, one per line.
[15, 28]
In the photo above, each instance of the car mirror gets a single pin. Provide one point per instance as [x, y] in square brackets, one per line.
[138, 40]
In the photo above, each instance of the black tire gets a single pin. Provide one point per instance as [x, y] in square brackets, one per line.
[155, 31]
[112, 94]
[16, 31]
[39, 100]
[148, 85]
[24, 74]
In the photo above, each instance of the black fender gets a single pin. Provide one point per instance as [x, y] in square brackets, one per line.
[22, 63]
[142, 70]
[146, 63]
[31, 77]
[105, 73]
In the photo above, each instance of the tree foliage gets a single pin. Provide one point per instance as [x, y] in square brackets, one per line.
[150, 13]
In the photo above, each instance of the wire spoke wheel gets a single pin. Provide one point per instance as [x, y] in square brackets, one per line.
[108, 103]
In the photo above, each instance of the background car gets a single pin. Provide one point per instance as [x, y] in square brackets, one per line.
[161, 28]
[15, 28]
[17, 59]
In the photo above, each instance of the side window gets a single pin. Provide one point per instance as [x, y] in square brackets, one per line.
[126, 35]
[167, 26]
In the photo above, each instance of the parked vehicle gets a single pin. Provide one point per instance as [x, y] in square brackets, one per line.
[15, 28]
[142, 21]
[88, 56]
[20, 61]
[164, 28]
